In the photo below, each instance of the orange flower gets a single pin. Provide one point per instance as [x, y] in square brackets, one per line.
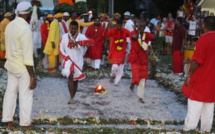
[70, 2]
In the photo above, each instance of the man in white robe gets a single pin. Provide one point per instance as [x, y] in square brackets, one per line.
[72, 48]
[129, 25]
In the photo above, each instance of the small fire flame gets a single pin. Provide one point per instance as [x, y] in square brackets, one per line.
[99, 87]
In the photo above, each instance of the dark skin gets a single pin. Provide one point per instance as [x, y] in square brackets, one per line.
[33, 82]
[66, 18]
[141, 29]
[73, 85]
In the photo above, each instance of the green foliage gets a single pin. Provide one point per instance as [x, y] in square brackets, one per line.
[63, 8]
[81, 7]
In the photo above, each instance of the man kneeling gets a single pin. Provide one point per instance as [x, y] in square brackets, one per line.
[72, 48]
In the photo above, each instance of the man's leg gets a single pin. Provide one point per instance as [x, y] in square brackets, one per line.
[93, 64]
[207, 117]
[73, 86]
[45, 62]
[119, 73]
[193, 114]
[113, 72]
[9, 103]
[140, 90]
[97, 64]
[52, 63]
[25, 99]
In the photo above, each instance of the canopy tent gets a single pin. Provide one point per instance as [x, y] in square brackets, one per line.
[207, 5]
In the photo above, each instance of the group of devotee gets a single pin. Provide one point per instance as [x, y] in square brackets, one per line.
[68, 40]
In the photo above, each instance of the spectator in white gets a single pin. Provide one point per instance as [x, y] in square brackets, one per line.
[65, 19]
[163, 25]
[63, 27]
[85, 20]
[129, 25]
[191, 19]
[19, 64]
[180, 12]
[104, 19]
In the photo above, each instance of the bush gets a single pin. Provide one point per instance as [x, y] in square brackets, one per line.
[64, 8]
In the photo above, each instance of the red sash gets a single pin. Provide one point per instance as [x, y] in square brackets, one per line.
[64, 27]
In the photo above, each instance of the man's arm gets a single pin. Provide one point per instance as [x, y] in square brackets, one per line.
[27, 48]
[33, 82]
[193, 67]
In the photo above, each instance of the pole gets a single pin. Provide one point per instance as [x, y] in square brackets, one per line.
[111, 8]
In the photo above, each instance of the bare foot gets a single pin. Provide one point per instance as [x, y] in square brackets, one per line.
[141, 100]
[10, 125]
[132, 87]
[72, 101]
[30, 127]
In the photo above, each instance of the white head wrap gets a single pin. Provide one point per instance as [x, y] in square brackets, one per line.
[23, 8]
[66, 14]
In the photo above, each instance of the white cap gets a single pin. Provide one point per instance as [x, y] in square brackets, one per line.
[23, 8]
[127, 13]
[66, 14]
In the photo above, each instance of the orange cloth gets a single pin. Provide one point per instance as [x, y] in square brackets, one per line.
[70, 2]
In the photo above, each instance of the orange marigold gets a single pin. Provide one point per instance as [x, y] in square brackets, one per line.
[70, 2]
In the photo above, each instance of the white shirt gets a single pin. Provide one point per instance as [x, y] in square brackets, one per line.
[129, 25]
[19, 46]
[192, 27]
[147, 29]
[62, 32]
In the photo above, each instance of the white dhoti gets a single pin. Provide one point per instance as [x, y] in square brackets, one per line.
[117, 72]
[140, 88]
[70, 67]
[96, 63]
[199, 110]
[45, 62]
[18, 83]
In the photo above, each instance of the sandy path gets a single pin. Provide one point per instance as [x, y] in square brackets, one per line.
[51, 97]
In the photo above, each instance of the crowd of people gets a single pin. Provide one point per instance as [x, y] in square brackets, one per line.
[69, 41]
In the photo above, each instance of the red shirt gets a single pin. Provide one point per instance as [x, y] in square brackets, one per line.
[169, 25]
[44, 33]
[202, 84]
[179, 35]
[137, 54]
[118, 45]
[95, 33]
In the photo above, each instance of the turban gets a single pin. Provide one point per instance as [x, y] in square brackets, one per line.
[58, 15]
[102, 15]
[127, 13]
[8, 14]
[23, 8]
[50, 16]
[66, 14]
[117, 14]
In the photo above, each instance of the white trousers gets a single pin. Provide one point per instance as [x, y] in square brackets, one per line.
[45, 62]
[128, 49]
[117, 72]
[197, 110]
[140, 88]
[18, 83]
[96, 63]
